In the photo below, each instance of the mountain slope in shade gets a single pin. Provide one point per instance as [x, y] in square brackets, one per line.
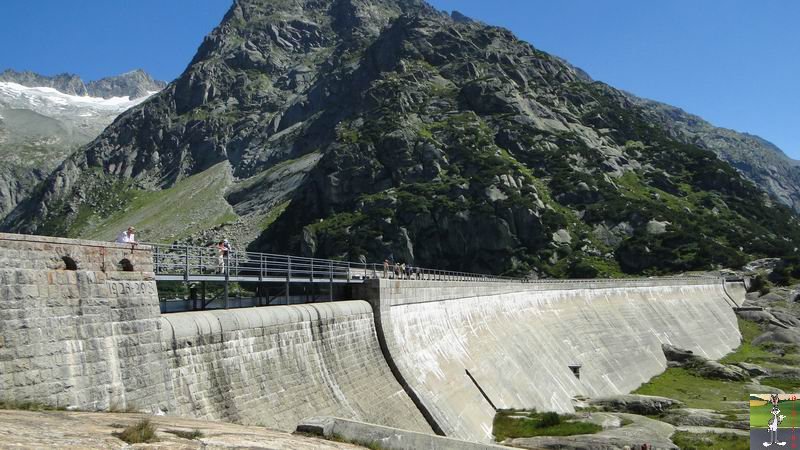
[386, 128]
[41, 125]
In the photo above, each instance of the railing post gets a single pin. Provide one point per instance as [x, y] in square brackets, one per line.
[186, 264]
[226, 259]
[288, 276]
[348, 271]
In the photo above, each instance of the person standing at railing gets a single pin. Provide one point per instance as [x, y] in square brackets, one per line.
[221, 257]
[127, 237]
[226, 254]
[396, 269]
[385, 268]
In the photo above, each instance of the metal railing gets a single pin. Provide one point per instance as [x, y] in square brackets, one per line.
[192, 262]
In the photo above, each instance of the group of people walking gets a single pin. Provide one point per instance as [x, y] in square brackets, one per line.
[400, 271]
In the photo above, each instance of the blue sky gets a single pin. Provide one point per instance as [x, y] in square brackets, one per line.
[734, 62]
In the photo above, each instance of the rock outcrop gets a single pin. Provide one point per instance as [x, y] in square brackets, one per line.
[701, 366]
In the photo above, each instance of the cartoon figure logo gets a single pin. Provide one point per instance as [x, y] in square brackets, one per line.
[776, 420]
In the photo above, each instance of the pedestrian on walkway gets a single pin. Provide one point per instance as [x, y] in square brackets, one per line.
[385, 268]
[221, 257]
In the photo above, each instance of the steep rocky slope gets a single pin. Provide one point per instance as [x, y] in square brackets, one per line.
[384, 127]
[758, 160]
[44, 119]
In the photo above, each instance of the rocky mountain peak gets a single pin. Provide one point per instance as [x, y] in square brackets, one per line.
[134, 84]
[65, 82]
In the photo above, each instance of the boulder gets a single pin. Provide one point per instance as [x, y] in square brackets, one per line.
[693, 417]
[700, 366]
[656, 227]
[753, 369]
[636, 404]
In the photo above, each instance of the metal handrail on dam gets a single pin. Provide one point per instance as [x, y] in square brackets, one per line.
[189, 264]
[178, 262]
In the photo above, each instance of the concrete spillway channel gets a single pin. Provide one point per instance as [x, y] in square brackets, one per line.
[419, 355]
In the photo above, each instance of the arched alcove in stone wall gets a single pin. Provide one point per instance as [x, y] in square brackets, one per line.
[125, 265]
[69, 263]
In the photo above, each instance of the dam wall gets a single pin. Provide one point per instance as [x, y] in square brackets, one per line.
[462, 350]
[80, 327]
[79, 324]
[276, 366]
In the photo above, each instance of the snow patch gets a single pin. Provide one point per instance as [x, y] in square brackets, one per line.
[46, 97]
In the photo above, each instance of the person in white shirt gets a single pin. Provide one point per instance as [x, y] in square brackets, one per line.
[127, 236]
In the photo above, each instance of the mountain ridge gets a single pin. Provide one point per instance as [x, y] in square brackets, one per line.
[374, 128]
[133, 84]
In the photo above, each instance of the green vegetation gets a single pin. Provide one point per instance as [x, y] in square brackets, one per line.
[273, 215]
[191, 435]
[140, 432]
[371, 445]
[710, 441]
[695, 391]
[511, 423]
[782, 383]
[28, 406]
[192, 204]
[761, 354]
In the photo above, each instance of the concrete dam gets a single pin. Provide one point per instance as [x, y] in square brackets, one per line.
[81, 327]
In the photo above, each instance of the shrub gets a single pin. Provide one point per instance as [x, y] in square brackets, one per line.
[140, 432]
[549, 419]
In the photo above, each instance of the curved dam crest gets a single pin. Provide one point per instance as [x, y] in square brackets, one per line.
[417, 355]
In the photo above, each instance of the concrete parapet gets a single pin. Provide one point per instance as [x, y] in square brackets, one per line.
[384, 437]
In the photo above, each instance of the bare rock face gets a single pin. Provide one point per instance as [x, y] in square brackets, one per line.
[134, 84]
[438, 140]
[635, 404]
[29, 429]
[757, 159]
[701, 366]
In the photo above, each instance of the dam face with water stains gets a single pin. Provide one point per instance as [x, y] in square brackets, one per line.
[80, 329]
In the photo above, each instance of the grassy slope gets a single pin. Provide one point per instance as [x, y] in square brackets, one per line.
[519, 423]
[193, 204]
[698, 392]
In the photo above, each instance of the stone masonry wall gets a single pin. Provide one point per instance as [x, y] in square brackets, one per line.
[93, 338]
[88, 338]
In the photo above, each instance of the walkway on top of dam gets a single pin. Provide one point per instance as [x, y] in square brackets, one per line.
[313, 279]
[173, 262]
